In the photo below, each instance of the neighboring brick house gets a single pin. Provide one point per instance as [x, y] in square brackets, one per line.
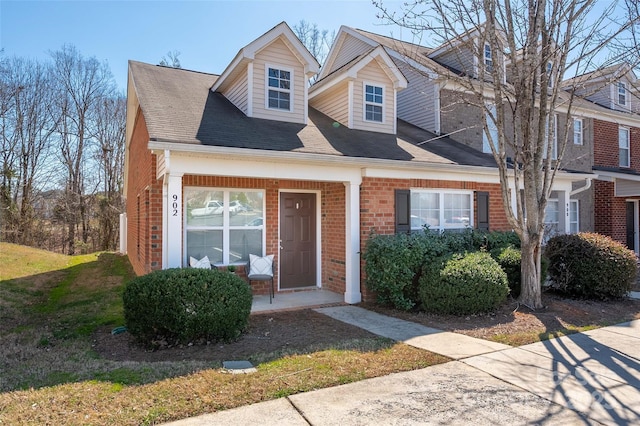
[616, 146]
[253, 161]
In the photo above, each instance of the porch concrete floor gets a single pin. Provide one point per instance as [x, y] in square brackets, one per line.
[295, 299]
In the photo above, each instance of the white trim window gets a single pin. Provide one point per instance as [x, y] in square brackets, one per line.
[226, 225]
[441, 209]
[578, 132]
[279, 83]
[551, 218]
[492, 128]
[622, 93]
[624, 151]
[574, 216]
[373, 103]
[487, 57]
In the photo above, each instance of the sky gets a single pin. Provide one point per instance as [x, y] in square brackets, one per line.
[207, 33]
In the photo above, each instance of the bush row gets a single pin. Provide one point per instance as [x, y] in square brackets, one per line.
[395, 264]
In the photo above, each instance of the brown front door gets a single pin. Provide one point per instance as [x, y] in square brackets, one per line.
[297, 240]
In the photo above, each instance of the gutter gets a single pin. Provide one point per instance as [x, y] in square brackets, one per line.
[287, 157]
[583, 188]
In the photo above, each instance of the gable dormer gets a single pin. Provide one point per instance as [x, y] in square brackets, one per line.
[361, 94]
[614, 87]
[268, 77]
[471, 53]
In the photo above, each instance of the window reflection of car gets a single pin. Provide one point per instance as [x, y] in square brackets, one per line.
[211, 208]
[236, 207]
[255, 222]
[460, 219]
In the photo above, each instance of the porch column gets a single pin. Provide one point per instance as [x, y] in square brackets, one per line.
[172, 246]
[352, 250]
[564, 219]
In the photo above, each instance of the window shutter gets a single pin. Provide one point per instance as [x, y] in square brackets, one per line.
[483, 210]
[403, 211]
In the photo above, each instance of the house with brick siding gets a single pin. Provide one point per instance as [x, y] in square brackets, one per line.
[256, 161]
[614, 94]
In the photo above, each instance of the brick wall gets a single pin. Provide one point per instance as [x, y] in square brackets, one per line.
[144, 204]
[332, 204]
[611, 213]
[377, 208]
[606, 145]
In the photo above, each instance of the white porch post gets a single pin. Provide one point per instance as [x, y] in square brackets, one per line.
[352, 229]
[563, 201]
[173, 207]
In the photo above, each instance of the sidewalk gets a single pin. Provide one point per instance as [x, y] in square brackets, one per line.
[585, 378]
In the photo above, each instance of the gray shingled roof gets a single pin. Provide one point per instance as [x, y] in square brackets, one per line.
[179, 107]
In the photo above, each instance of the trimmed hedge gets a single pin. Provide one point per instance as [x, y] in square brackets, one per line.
[462, 284]
[590, 265]
[394, 263]
[186, 305]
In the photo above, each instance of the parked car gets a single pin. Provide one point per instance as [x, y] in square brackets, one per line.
[236, 207]
[255, 222]
[213, 207]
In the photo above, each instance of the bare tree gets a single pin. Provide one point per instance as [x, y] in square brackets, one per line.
[517, 101]
[27, 126]
[109, 153]
[82, 84]
[317, 41]
[171, 60]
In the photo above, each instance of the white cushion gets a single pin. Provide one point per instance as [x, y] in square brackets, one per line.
[260, 265]
[202, 263]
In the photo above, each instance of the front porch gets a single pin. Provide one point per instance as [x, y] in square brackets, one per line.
[295, 300]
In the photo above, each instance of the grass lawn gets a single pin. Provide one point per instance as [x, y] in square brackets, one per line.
[50, 307]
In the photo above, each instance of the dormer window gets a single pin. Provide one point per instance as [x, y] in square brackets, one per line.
[279, 88]
[373, 101]
[488, 58]
[622, 94]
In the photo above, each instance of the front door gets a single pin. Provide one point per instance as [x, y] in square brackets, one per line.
[631, 225]
[297, 240]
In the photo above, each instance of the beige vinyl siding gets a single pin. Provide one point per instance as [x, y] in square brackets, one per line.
[237, 93]
[334, 103]
[351, 48]
[460, 58]
[372, 73]
[278, 55]
[416, 103]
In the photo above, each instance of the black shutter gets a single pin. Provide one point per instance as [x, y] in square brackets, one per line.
[483, 210]
[403, 211]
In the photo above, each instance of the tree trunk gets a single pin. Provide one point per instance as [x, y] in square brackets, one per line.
[531, 292]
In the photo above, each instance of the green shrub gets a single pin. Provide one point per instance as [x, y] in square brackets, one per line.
[394, 264]
[463, 284]
[510, 260]
[590, 265]
[185, 305]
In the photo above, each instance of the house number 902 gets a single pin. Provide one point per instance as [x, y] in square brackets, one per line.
[174, 206]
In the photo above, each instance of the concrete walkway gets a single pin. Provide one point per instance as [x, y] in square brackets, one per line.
[585, 378]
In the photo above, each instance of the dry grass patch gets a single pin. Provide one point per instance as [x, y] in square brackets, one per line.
[105, 403]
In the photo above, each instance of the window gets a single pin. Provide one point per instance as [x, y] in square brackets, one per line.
[441, 210]
[550, 74]
[488, 58]
[577, 131]
[622, 94]
[225, 225]
[574, 216]
[623, 143]
[551, 218]
[492, 129]
[279, 92]
[373, 96]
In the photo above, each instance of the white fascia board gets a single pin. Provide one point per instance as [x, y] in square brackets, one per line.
[413, 63]
[283, 30]
[240, 57]
[612, 176]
